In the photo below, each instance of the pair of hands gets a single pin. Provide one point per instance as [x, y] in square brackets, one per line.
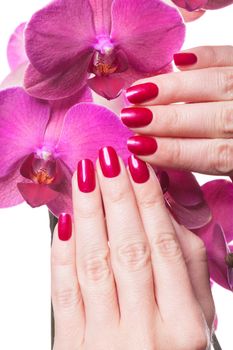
[149, 287]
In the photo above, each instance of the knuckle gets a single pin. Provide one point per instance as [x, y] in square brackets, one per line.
[221, 157]
[226, 83]
[66, 298]
[134, 255]
[199, 341]
[89, 210]
[150, 200]
[226, 120]
[96, 265]
[118, 193]
[166, 244]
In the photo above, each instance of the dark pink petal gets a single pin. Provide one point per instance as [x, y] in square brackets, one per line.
[184, 188]
[16, 53]
[191, 217]
[36, 195]
[60, 85]
[109, 87]
[9, 194]
[23, 120]
[153, 32]
[191, 5]
[87, 128]
[102, 15]
[217, 4]
[59, 34]
[219, 196]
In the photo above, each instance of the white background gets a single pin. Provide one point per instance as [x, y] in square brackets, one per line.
[24, 232]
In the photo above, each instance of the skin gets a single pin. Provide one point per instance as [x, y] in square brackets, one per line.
[196, 135]
[145, 290]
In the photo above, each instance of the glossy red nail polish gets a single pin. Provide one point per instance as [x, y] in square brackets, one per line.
[109, 162]
[138, 170]
[136, 117]
[142, 145]
[64, 227]
[185, 58]
[86, 176]
[142, 93]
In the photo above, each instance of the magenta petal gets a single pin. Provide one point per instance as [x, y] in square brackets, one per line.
[23, 120]
[36, 195]
[16, 53]
[102, 15]
[9, 194]
[191, 5]
[109, 87]
[184, 188]
[58, 34]
[60, 85]
[217, 4]
[219, 196]
[190, 217]
[87, 128]
[62, 204]
[153, 32]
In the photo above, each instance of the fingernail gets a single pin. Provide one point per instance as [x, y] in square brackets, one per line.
[142, 93]
[136, 117]
[185, 58]
[138, 170]
[142, 145]
[109, 162]
[86, 176]
[64, 227]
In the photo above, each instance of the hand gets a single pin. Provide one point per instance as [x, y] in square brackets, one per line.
[148, 288]
[198, 134]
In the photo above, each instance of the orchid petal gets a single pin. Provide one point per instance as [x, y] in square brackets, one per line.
[15, 78]
[23, 120]
[9, 194]
[58, 34]
[36, 195]
[217, 4]
[219, 196]
[109, 87]
[16, 53]
[60, 85]
[154, 32]
[191, 5]
[184, 188]
[102, 15]
[86, 129]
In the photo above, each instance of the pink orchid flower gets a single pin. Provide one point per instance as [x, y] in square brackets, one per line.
[41, 143]
[218, 234]
[192, 5]
[106, 44]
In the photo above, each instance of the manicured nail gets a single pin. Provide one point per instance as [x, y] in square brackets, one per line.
[142, 93]
[86, 175]
[136, 117]
[185, 58]
[138, 170]
[64, 227]
[109, 162]
[142, 145]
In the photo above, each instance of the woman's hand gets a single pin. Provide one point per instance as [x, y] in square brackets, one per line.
[128, 278]
[196, 135]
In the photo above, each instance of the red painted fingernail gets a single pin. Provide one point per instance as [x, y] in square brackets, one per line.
[136, 117]
[64, 227]
[138, 170]
[109, 162]
[142, 92]
[142, 145]
[86, 176]
[185, 58]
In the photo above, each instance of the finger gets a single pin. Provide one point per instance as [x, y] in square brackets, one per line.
[201, 120]
[204, 57]
[201, 85]
[130, 254]
[207, 156]
[92, 251]
[66, 295]
[172, 285]
[195, 257]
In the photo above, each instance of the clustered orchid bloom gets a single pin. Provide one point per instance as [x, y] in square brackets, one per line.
[106, 44]
[192, 5]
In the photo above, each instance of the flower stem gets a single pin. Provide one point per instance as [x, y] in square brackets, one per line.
[53, 222]
[215, 342]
